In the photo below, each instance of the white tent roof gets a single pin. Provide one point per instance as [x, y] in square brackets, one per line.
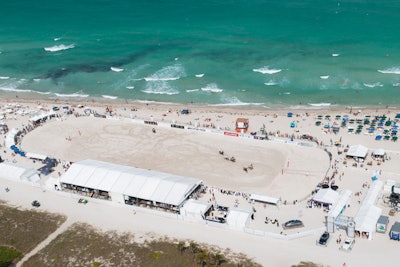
[266, 199]
[134, 182]
[41, 116]
[327, 196]
[379, 152]
[368, 213]
[18, 173]
[10, 137]
[238, 218]
[35, 156]
[195, 208]
[358, 151]
[341, 203]
[366, 218]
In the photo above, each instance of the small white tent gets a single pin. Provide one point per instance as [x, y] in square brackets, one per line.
[358, 151]
[17, 173]
[326, 196]
[238, 219]
[194, 210]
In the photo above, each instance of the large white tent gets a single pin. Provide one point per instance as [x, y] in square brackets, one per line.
[122, 182]
[17, 173]
[194, 210]
[238, 218]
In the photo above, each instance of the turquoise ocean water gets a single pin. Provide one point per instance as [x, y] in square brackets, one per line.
[232, 52]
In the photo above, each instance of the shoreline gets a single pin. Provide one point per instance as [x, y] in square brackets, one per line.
[29, 97]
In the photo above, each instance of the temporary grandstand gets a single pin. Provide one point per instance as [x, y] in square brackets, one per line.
[129, 185]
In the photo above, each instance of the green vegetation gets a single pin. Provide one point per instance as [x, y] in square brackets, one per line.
[82, 245]
[8, 256]
[25, 229]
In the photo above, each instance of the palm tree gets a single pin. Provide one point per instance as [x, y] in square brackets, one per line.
[181, 246]
[217, 258]
[202, 257]
[193, 247]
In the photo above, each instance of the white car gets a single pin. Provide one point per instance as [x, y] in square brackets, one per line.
[348, 244]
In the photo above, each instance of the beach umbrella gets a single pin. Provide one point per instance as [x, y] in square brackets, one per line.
[397, 116]
[394, 138]
[378, 137]
[290, 114]
[317, 123]
[388, 123]
[387, 137]
[327, 116]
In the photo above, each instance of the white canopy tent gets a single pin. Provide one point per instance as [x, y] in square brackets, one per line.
[195, 210]
[35, 156]
[379, 153]
[238, 219]
[265, 199]
[368, 214]
[10, 137]
[326, 196]
[123, 181]
[341, 203]
[357, 151]
[18, 173]
[41, 116]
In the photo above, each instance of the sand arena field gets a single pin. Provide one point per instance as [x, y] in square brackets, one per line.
[184, 152]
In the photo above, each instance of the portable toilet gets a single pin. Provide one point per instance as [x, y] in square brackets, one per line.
[381, 225]
[395, 231]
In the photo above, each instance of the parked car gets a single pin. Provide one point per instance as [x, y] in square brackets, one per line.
[348, 244]
[323, 240]
[36, 203]
[292, 224]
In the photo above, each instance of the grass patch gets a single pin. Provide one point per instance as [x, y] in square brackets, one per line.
[82, 245]
[25, 229]
[8, 256]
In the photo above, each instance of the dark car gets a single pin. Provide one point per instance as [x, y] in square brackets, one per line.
[36, 203]
[323, 240]
[293, 224]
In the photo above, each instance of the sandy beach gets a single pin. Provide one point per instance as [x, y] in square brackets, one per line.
[285, 166]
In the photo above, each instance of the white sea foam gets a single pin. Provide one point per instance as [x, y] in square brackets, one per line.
[192, 90]
[324, 77]
[200, 75]
[160, 88]
[212, 88]
[285, 93]
[130, 87]
[36, 80]
[155, 79]
[169, 73]
[15, 90]
[4, 77]
[267, 70]
[372, 85]
[271, 83]
[42, 93]
[319, 104]
[390, 71]
[396, 84]
[116, 69]
[59, 48]
[78, 95]
[109, 96]
[335, 55]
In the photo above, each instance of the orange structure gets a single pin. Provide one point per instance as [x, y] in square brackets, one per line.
[242, 124]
